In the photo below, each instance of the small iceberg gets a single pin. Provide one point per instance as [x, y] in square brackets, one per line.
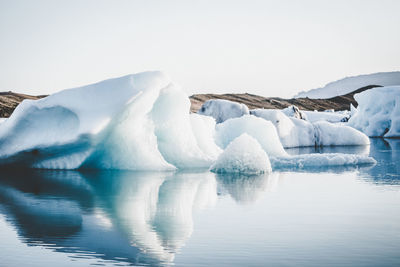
[243, 155]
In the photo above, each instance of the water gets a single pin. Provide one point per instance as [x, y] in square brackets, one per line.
[341, 217]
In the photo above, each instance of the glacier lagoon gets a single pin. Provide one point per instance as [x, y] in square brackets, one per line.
[340, 216]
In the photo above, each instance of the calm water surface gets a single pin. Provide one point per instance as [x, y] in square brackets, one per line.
[338, 217]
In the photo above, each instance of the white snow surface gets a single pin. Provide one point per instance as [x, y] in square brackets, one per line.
[295, 132]
[243, 155]
[350, 84]
[378, 112]
[221, 109]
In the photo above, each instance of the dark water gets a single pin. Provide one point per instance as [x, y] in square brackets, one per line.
[342, 217]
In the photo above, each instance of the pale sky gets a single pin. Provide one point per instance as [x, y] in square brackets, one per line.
[270, 48]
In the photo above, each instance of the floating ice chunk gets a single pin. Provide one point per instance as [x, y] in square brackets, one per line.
[263, 131]
[378, 112]
[243, 155]
[295, 132]
[320, 160]
[330, 134]
[292, 132]
[221, 109]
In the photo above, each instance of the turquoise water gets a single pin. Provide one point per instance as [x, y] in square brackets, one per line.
[339, 217]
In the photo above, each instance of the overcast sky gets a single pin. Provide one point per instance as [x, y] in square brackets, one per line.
[271, 48]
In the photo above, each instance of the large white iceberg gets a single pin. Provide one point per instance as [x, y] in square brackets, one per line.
[378, 112]
[221, 109]
[123, 123]
[243, 155]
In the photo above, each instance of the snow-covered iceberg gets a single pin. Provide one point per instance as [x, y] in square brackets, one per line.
[378, 112]
[263, 131]
[121, 123]
[221, 109]
[243, 155]
[294, 132]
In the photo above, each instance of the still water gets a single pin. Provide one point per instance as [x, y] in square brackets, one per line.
[335, 217]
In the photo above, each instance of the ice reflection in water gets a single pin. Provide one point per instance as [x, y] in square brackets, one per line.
[246, 189]
[140, 217]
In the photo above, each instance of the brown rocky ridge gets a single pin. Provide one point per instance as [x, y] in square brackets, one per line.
[9, 101]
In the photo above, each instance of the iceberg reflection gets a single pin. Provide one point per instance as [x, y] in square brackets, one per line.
[247, 189]
[387, 154]
[133, 217]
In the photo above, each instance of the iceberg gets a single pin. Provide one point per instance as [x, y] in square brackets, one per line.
[121, 123]
[294, 132]
[263, 131]
[221, 109]
[378, 112]
[243, 155]
[332, 134]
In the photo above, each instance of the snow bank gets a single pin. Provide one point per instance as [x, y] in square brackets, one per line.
[378, 112]
[263, 131]
[350, 84]
[243, 155]
[295, 132]
[221, 110]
